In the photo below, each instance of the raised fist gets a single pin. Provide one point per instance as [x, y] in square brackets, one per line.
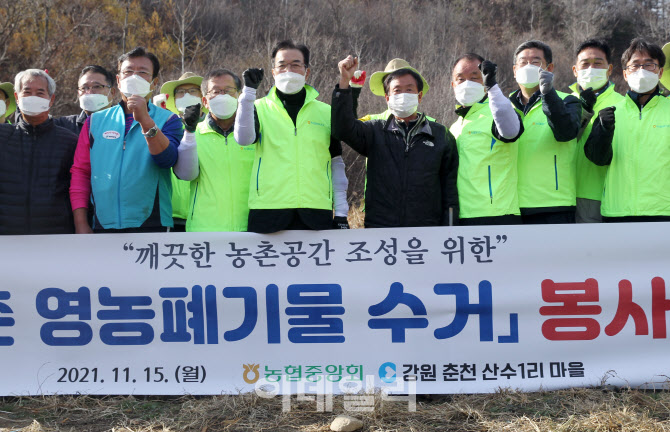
[252, 77]
[348, 67]
[489, 70]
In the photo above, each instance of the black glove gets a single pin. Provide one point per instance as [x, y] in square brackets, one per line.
[489, 70]
[340, 222]
[252, 77]
[191, 117]
[588, 98]
[606, 117]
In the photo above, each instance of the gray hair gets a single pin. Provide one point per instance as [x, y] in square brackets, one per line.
[204, 87]
[18, 80]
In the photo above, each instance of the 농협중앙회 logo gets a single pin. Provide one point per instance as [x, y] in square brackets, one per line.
[250, 373]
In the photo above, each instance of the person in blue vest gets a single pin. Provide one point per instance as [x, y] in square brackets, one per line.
[124, 155]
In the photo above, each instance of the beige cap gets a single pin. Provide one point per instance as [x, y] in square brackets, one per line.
[170, 86]
[377, 78]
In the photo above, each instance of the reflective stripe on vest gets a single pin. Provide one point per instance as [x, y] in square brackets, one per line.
[219, 196]
[124, 177]
[546, 167]
[292, 164]
[638, 179]
[591, 177]
[487, 168]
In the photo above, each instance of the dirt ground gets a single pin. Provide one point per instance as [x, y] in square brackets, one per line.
[564, 410]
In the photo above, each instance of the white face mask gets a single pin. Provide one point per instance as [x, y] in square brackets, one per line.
[642, 81]
[528, 76]
[186, 101]
[33, 105]
[592, 78]
[93, 102]
[289, 82]
[403, 105]
[469, 92]
[135, 85]
[3, 108]
[223, 106]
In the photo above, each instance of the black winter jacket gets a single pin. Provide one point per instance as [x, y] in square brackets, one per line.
[35, 178]
[73, 123]
[410, 181]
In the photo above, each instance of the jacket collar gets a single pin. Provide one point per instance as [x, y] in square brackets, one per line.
[35, 130]
[635, 97]
[81, 118]
[212, 127]
[310, 95]
[122, 106]
[607, 88]
[515, 97]
[422, 126]
[463, 111]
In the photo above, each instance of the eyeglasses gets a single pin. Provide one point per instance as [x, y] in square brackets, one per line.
[144, 74]
[230, 91]
[97, 88]
[182, 92]
[647, 66]
[598, 64]
[534, 62]
[290, 66]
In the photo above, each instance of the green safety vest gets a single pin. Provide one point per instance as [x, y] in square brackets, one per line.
[180, 197]
[292, 164]
[487, 168]
[638, 178]
[591, 177]
[219, 196]
[546, 167]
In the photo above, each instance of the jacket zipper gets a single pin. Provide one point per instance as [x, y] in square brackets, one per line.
[231, 210]
[195, 197]
[29, 196]
[328, 177]
[297, 155]
[258, 171]
[556, 172]
[118, 192]
[490, 188]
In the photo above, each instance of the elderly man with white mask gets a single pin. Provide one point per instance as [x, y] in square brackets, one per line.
[486, 133]
[180, 94]
[298, 175]
[35, 163]
[412, 161]
[96, 90]
[209, 157]
[124, 156]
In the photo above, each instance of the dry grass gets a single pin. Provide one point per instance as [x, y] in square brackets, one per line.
[356, 215]
[572, 410]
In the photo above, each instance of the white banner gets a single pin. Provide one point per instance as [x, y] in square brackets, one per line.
[431, 310]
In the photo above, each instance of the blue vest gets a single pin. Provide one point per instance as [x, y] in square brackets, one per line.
[124, 177]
